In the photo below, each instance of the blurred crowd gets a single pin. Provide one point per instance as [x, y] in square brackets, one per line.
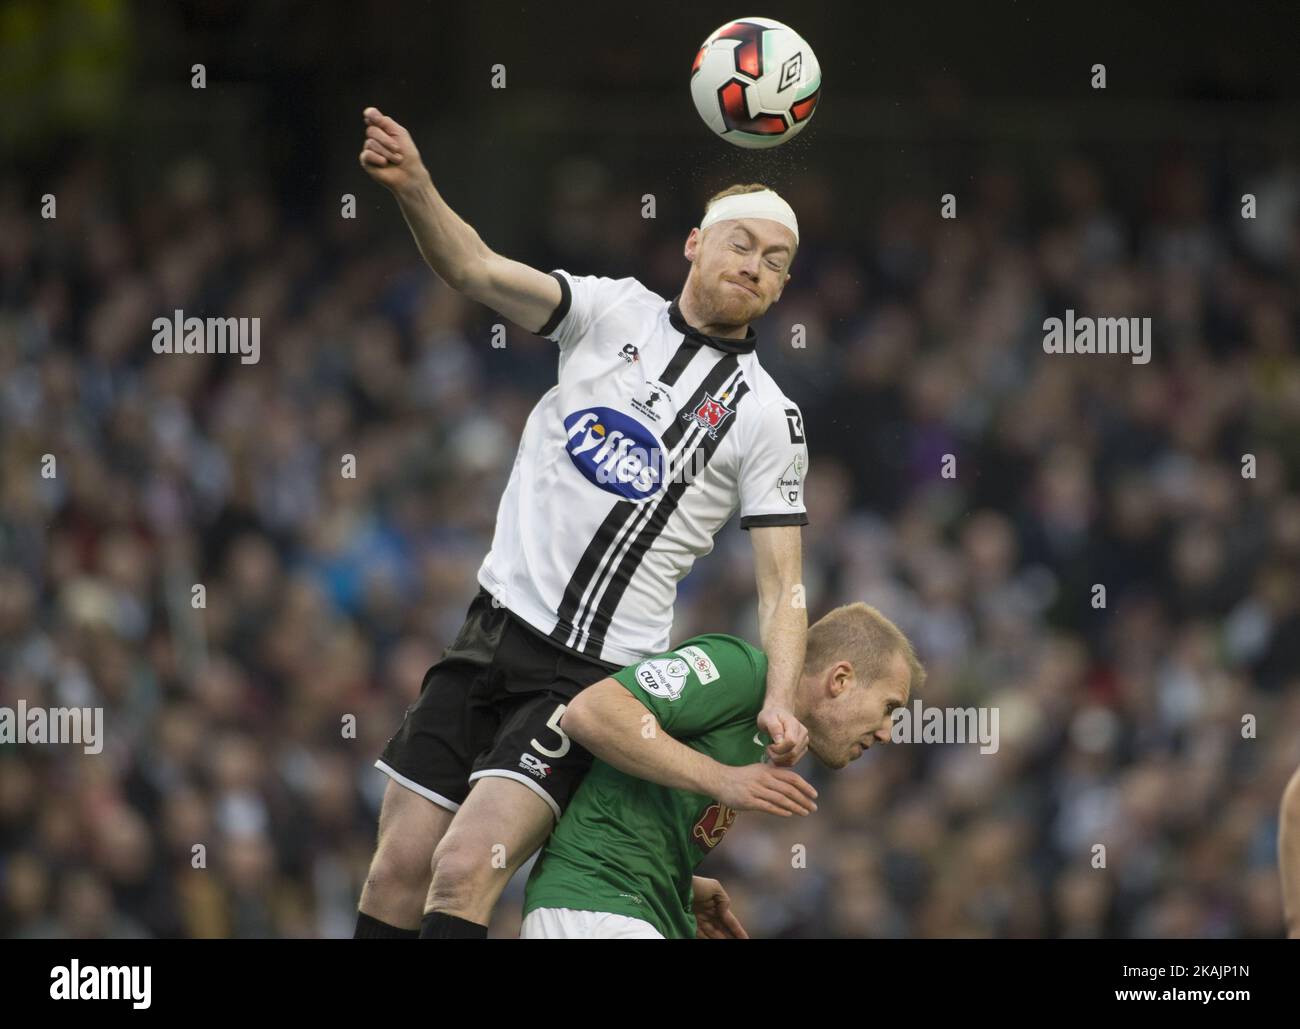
[1144, 742]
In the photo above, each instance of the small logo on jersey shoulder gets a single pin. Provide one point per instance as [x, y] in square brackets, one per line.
[710, 413]
[663, 677]
[534, 765]
[629, 353]
[712, 825]
[794, 423]
[790, 484]
[705, 670]
[657, 394]
[615, 452]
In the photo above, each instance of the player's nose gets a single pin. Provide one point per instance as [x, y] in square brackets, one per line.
[749, 266]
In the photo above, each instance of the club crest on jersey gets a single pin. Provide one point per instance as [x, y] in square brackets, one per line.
[712, 825]
[615, 452]
[663, 677]
[710, 413]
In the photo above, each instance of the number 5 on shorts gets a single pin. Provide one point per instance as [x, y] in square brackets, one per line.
[553, 723]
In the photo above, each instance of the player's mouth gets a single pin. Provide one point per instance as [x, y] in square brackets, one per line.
[744, 287]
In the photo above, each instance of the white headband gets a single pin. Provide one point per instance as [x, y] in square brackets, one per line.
[765, 204]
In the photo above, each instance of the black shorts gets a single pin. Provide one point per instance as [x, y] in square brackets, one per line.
[491, 706]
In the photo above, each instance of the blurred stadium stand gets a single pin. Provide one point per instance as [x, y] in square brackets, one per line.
[329, 596]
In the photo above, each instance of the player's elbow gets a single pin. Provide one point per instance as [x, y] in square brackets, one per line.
[471, 274]
[466, 277]
[587, 714]
[578, 718]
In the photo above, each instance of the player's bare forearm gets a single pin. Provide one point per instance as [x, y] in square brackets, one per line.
[782, 617]
[448, 244]
[1289, 855]
[783, 628]
[618, 729]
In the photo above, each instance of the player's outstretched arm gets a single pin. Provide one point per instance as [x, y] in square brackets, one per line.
[783, 628]
[1288, 845]
[450, 246]
[618, 729]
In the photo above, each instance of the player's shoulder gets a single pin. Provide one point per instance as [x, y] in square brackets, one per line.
[613, 292]
[714, 654]
[765, 393]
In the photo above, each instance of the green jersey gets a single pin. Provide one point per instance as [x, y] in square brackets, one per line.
[628, 846]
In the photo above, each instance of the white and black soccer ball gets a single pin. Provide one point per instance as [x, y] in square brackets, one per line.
[756, 82]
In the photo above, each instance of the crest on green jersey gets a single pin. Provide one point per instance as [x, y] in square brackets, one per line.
[663, 677]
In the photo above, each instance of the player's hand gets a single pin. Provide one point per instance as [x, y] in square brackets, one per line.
[713, 917]
[389, 155]
[761, 787]
[789, 737]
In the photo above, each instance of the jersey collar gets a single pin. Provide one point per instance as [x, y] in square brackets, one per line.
[729, 346]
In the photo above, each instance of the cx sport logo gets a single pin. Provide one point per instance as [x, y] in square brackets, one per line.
[615, 452]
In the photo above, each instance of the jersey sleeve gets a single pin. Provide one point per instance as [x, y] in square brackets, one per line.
[583, 300]
[773, 467]
[697, 688]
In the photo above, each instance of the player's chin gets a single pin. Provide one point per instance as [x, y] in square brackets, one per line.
[740, 303]
[835, 760]
[851, 754]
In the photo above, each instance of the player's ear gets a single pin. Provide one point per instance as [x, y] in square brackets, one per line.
[841, 678]
[692, 244]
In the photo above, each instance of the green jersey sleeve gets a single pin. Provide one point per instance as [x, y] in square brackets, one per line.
[708, 682]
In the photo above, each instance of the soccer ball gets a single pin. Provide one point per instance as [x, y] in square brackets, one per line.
[755, 82]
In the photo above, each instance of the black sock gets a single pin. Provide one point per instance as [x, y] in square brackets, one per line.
[437, 925]
[369, 928]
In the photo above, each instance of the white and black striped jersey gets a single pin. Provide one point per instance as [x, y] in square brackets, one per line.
[652, 438]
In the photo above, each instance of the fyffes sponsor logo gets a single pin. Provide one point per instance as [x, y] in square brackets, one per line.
[615, 452]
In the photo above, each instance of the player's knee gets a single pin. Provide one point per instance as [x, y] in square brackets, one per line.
[400, 864]
[462, 869]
